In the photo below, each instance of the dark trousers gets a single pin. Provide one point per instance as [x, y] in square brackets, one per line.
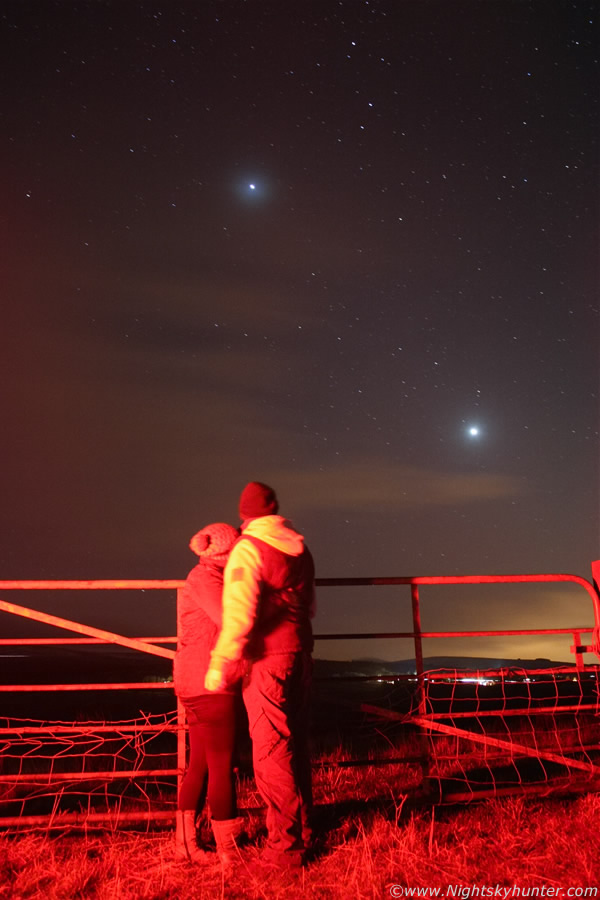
[277, 694]
[211, 720]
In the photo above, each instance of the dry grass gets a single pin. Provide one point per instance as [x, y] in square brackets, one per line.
[369, 841]
[371, 835]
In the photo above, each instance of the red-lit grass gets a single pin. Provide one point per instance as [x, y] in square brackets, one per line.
[370, 837]
[368, 840]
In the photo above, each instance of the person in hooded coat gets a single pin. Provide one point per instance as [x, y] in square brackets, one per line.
[268, 603]
[210, 716]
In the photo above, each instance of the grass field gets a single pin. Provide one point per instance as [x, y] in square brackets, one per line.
[373, 842]
[377, 836]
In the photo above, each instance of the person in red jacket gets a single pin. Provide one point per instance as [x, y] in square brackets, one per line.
[210, 716]
[268, 603]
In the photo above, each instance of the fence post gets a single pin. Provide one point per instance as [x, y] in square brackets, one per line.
[416, 615]
[181, 736]
[423, 739]
[595, 648]
[578, 650]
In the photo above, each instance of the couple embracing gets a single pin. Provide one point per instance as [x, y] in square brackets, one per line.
[245, 623]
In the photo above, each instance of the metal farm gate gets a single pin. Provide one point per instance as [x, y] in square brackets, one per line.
[480, 733]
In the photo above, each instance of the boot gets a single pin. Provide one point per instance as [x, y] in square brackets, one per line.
[227, 833]
[186, 846]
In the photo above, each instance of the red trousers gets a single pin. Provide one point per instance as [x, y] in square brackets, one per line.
[211, 720]
[277, 695]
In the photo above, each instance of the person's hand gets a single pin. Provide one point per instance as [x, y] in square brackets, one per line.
[215, 678]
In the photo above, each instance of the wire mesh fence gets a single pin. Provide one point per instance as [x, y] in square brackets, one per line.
[510, 731]
[68, 772]
[477, 733]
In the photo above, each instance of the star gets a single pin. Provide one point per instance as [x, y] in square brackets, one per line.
[251, 190]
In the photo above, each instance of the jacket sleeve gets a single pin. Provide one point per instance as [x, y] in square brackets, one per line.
[241, 593]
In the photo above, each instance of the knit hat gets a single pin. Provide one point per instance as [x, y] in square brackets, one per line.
[214, 541]
[257, 499]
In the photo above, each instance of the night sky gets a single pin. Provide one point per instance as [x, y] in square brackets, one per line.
[346, 248]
